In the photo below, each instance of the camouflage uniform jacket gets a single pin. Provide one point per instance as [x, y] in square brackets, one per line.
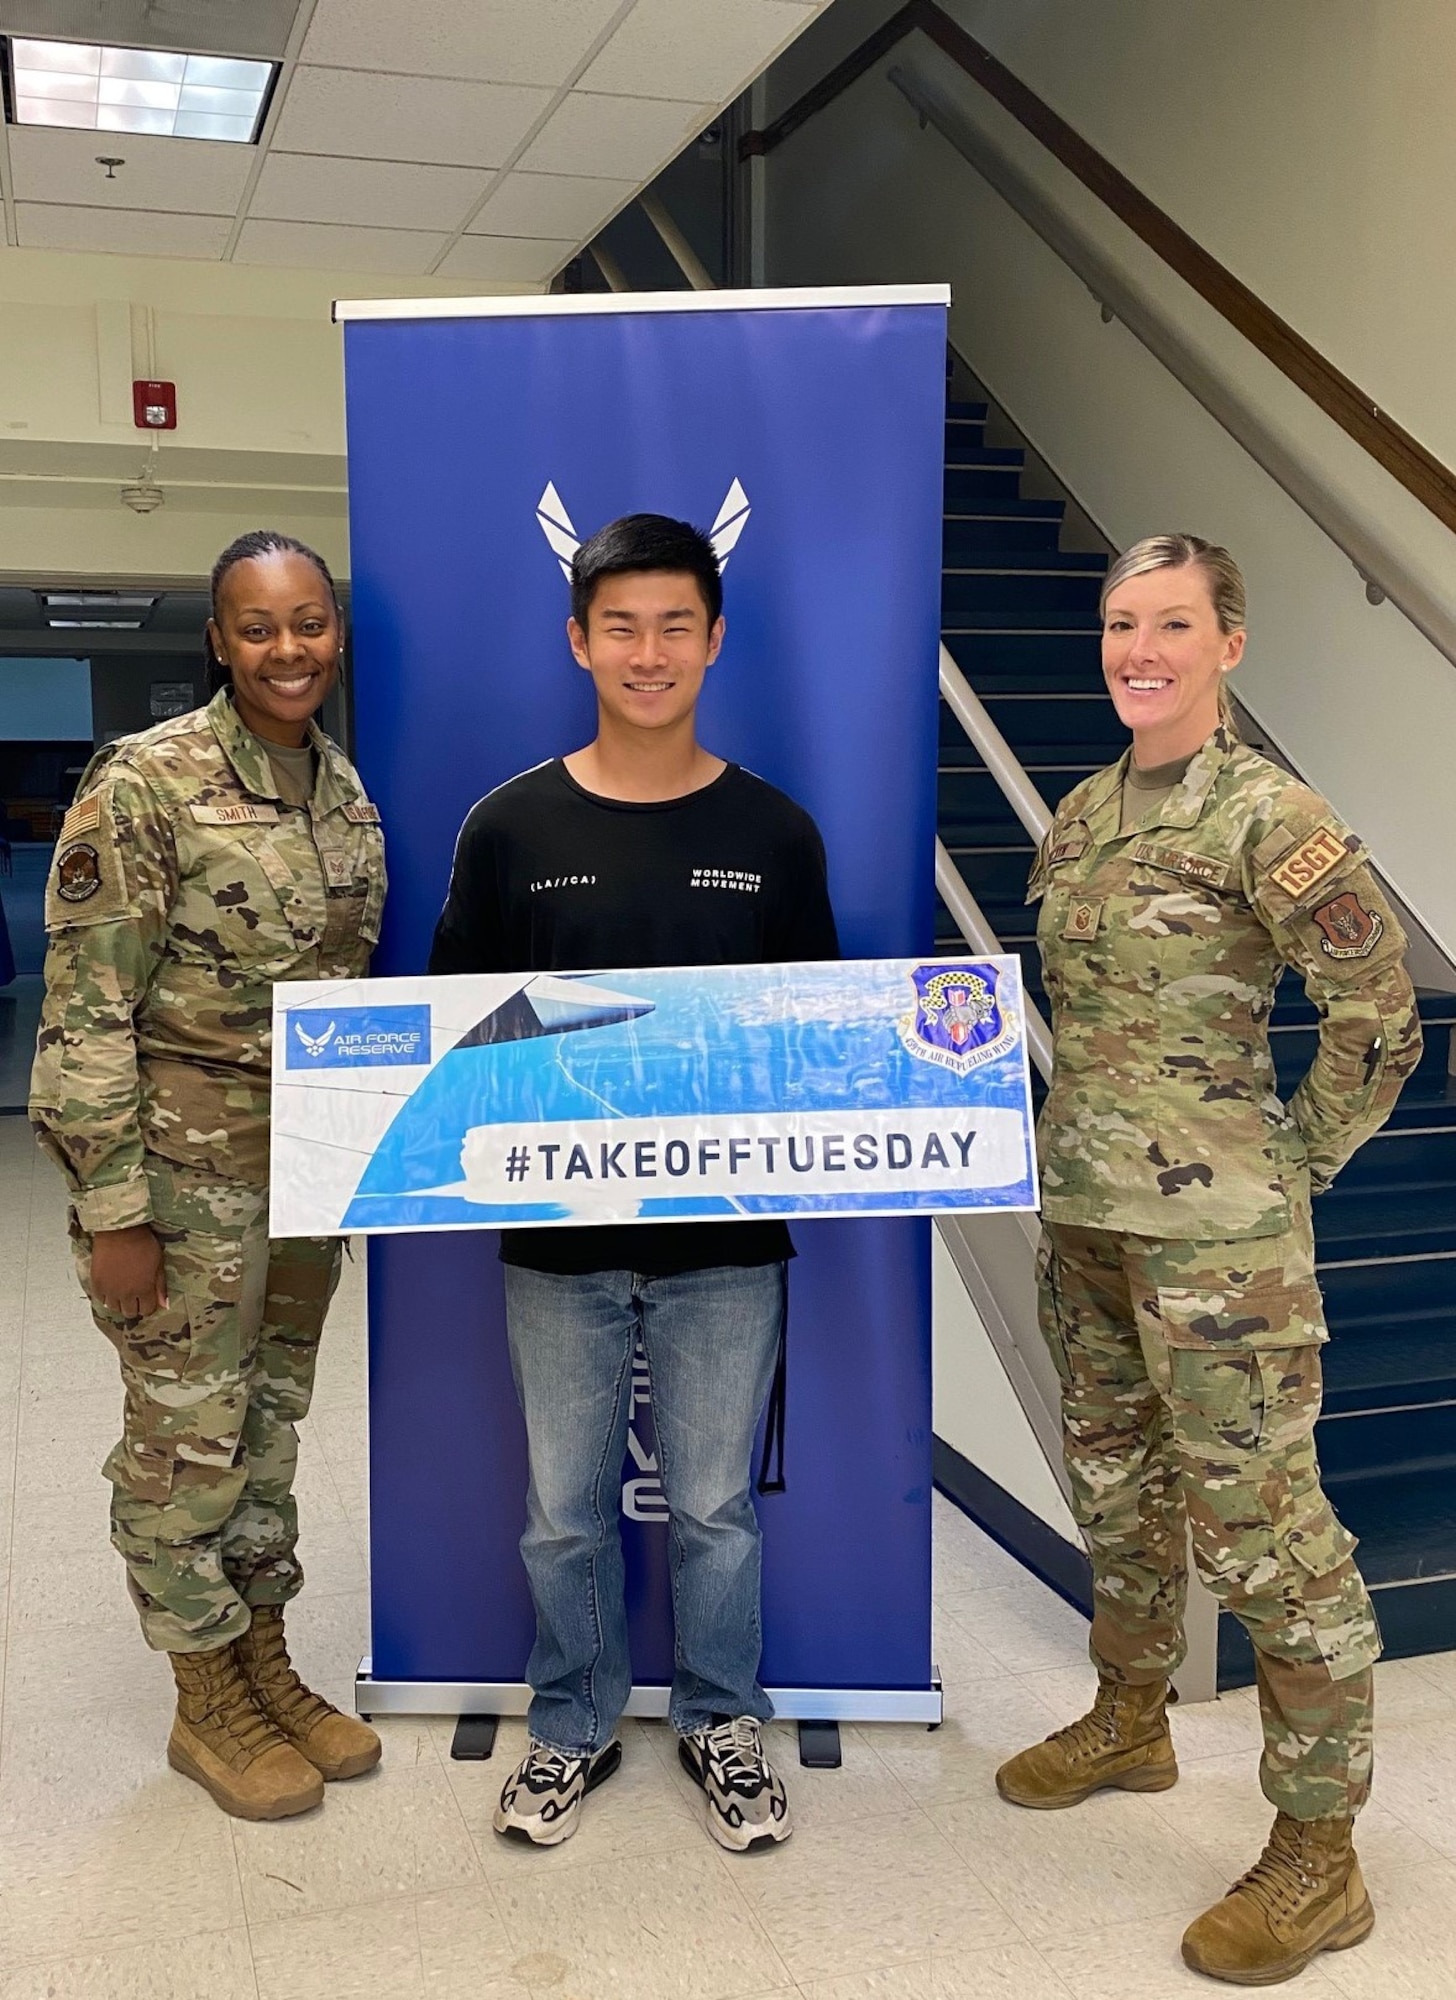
[183, 886]
[1161, 949]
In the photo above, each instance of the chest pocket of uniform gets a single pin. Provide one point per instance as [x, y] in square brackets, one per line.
[251, 900]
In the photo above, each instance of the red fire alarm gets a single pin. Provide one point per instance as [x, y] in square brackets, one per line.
[154, 405]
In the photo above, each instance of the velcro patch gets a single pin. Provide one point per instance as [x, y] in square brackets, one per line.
[1083, 919]
[82, 818]
[1067, 848]
[1350, 930]
[1317, 857]
[243, 813]
[78, 872]
[338, 871]
[1199, 867]
[362, 812]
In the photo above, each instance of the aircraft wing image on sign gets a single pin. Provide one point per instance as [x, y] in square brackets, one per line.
[731, 520]
[869, 1087]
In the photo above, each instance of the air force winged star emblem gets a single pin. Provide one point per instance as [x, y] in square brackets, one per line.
[314, 1045]
[556, 526]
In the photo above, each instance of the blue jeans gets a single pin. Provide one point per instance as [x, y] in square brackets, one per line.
[711, 1340]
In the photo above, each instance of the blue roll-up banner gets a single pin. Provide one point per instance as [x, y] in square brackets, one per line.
[804, 430]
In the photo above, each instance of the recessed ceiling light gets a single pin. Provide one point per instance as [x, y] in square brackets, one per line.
[95, 624]
[163, 92]
[97, 610]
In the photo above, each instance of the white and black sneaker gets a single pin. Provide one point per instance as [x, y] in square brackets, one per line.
[747, 1804]
[542, 1798]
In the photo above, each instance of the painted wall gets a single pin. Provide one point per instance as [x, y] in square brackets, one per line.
[1363, 705]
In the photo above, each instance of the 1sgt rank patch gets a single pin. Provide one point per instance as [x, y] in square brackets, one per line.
[1298, 872]
[1350, 930]
[78, 872]
[957, 1023]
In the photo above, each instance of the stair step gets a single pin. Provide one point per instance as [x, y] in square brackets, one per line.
[965, 483]
[975, 413]
[1002, 599]
[1402, 1220]
[989, 536]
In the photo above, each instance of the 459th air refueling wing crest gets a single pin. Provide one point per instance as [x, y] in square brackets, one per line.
[957, 1022]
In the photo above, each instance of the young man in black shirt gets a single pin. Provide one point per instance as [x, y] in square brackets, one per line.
[643, 849]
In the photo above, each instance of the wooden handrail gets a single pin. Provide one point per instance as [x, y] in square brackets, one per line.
[1419, 471]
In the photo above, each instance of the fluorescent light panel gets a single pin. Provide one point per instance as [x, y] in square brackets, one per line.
[97, 610]
[163, 92]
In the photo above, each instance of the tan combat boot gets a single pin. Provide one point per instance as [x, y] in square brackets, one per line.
[338, 1746]
[222, 1740]
[1122, 1742]
[1304, 1895]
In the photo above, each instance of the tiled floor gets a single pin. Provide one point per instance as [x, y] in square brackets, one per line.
[906, 1880]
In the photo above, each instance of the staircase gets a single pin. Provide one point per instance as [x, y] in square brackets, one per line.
[1019, 614]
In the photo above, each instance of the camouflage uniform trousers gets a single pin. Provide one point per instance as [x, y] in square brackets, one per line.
[1191, 1383]
[202, 1505]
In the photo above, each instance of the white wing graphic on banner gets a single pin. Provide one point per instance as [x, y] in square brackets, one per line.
[556, 527]
[732, 520]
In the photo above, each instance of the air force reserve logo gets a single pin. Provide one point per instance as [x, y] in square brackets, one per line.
[732, 519]
[957, 1022]
[358, 1038]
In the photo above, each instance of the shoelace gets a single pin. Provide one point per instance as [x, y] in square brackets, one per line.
[737, 1749]
[1279, 1881]
[1090, 1734]
[278, 1681]
[547, 1764]
[225, 1702]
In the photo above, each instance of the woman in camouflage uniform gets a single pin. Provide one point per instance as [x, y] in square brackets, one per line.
[1177, 1270]
[203, 860]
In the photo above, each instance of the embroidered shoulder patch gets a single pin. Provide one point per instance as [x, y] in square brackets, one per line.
[1350, 930]
[1298, 872]
[243, 813]
[82, 818]
[78, 872]
[362, 812]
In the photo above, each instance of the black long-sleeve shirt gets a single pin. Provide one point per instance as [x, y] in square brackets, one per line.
[551, 878]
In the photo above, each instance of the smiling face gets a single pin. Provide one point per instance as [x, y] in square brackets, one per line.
[1164, 657]
[647, 644]
[277, 628]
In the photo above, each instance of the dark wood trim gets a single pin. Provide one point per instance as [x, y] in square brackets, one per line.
[1403, 456]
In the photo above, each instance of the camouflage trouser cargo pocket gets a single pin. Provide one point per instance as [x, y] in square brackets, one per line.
[1049, 1309]
[1243, 1365]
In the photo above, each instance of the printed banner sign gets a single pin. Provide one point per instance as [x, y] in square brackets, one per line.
[875, 1087]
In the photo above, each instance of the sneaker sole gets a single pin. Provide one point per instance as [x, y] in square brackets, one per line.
[767, 1836]
[1354, 1930]
[287, 1807]
[609, 1761]
[1159, 1778]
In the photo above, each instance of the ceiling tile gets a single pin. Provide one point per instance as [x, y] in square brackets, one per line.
[558, 205]
[200, 176]
[503, 41]
[506, 260]
[297, 187]
[330, 247]
[364, 116]
[131, 232]
[625, 137]
[694, 48]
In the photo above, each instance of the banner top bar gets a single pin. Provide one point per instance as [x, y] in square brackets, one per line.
[568, 304]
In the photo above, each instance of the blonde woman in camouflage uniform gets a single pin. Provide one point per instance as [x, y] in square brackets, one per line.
[203, 860]
[1177, 1279]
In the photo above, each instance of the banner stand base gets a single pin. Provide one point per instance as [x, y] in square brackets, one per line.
[380, 1697]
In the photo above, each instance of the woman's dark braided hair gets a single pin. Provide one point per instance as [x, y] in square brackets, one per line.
[257, 542]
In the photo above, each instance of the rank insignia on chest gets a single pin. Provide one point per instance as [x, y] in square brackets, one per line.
[1350, 930]
[1083, 919]
[1298, 872]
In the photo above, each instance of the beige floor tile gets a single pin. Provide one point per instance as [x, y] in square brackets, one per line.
[439, 1946]
[86, 1589]
[1110, 1861]
[1218, 1808]
[217, 1967]
[995, 1972]
[62, 1520]
[842, 1899]
[640, 1810]
[65, 1766]
[959, 1656]
[1411, 1953]
[328, 1634]
[1023, 1626]
[1415, 1691]
[79, 1366]
[395, 1832]
[85, 1666]
[1142, 1961]
[135, 1879]
[1415, 1779]
[641, 1929]
[965, 1556]
[992, 1721]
